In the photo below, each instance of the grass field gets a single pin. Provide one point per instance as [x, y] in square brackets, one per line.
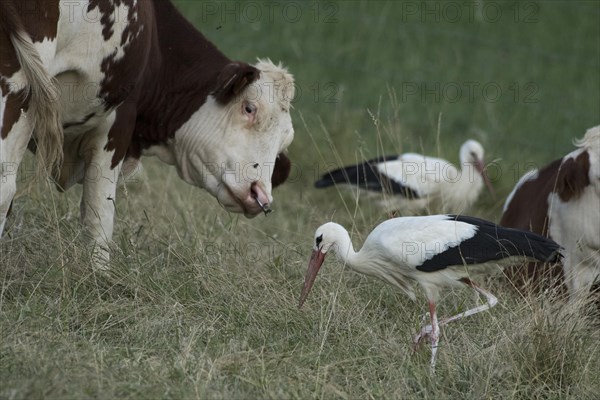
[203, 304]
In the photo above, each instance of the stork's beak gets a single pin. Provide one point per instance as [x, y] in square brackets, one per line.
[314, 264]
[481, 169]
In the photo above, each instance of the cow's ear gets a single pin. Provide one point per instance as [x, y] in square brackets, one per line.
[573, 177]
[233, 79]
[281, 171]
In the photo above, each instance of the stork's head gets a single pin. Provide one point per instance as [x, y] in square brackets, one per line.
[472, 153]
[330, 236]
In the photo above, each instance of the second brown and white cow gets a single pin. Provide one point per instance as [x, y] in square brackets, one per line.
[562, 200]
[93, 85]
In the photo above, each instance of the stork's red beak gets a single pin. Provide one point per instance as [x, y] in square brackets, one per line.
[481, 169]
[314, 264]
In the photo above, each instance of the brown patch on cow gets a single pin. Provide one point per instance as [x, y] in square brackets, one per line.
[120, 133]
[573, 177]
[106, 8]
[39, 18]
[528, 210]
[233, 79]
[281, 171]
[8, 66]
[120, 79]
[16, 98]
[15, 102]
[9, 63]
[113, 90]
[188, 66]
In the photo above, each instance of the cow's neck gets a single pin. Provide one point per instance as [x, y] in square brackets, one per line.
[182, 72]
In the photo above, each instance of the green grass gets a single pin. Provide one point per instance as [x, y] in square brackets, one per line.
[203, 304]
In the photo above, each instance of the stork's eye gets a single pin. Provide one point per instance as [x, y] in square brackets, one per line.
[319, 239]
[473, 154]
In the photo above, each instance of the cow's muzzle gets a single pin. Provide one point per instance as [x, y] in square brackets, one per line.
[251, 202]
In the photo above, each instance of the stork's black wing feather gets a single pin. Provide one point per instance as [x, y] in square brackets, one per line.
[492, 242]
[366, 176]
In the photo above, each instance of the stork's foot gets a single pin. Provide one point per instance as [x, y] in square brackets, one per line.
[425, 334]
[428, 332]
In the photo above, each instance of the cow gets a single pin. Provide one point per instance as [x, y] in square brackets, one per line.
[93, 85]
[562, 201]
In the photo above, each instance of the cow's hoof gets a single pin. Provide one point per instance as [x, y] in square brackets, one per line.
[100, 260]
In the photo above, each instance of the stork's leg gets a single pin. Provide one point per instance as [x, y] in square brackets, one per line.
[431, 331]
[491, 302]
[427, 331]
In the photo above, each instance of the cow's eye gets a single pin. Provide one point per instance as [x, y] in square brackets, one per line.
[249, 108]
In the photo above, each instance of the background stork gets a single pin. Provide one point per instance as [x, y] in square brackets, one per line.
[417, 182]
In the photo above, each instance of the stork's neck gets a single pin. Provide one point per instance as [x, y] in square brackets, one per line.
[461, 193]
[344, 250]
[469, 175]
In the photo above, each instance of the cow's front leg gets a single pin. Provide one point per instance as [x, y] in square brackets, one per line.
[98, 199]
[98, 209]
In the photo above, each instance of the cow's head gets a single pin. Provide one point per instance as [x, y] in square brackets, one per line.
[233, 145]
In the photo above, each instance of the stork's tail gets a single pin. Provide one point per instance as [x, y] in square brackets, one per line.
[542, 248]
[547, 250]
[366, 176]
[350, 175]
[516, 242]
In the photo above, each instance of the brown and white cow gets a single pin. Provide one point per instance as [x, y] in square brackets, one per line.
[562, 200]
[93, 85]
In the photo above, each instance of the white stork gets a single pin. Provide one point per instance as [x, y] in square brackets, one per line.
[434, 251]
[417, 182]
